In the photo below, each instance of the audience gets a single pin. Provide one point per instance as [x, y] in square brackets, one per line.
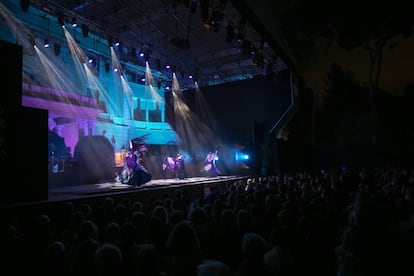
[354, 222]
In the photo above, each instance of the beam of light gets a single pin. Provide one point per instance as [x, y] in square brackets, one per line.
[175, 85]
[52, 75]
[149, 81]
[192, 130]
[127, 95]
[203, 109]
[124, 91]
[78, 55]
[18, 30]
[85, 73]
[115, 62]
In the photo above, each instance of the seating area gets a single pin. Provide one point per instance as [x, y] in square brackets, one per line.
[353, 222]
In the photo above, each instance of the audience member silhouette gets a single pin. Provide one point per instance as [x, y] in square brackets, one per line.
[354, 222]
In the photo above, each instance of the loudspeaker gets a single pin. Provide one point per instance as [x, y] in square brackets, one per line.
[23, 137]
[31, 183]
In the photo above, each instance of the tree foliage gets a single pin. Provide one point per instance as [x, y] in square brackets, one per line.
[311, 26]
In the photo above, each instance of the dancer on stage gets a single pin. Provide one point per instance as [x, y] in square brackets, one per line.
[140, 175]
[134, 173]
[175, 165]
[210, 166]
[180, 167]
[125, 173]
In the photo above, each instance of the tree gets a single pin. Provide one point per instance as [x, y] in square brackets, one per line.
[310, 27]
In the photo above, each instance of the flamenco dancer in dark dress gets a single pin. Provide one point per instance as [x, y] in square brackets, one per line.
[134, 173]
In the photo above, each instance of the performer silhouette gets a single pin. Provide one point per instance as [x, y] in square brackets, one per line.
[180, 167]
[175, 165]
[134, 173]
[210, 167]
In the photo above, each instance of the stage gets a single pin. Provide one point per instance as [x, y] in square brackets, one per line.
[196, 187]
[115, 188]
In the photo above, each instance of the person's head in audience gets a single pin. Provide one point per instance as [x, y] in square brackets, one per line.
[108, 260]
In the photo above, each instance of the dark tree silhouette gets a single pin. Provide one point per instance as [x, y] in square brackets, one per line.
[311, 27]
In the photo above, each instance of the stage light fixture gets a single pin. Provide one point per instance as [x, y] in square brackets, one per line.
[46, 43]
[120, 46]
[74, 24]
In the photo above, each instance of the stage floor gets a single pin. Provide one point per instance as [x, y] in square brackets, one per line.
[112, 187]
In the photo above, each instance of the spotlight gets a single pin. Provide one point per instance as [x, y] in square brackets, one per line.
[120, 46]
[46, 43]
[74, 24]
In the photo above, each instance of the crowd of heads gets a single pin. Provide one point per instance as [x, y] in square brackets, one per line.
[354, 222]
